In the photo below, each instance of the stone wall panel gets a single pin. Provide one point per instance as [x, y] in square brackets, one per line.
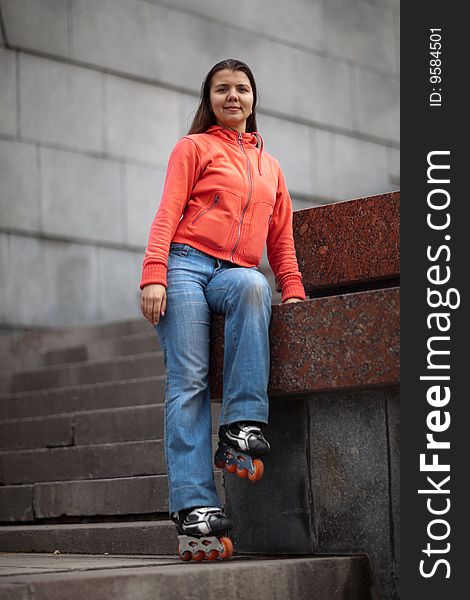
[273, 66]
[393, 159]
[322, 90]
[116, 34]
[360, 32]
[37, 24]
[187, 47]
[19, 194]
[5, 275]
[81, 196]
[143, 192]
[49, 283]
[345, 167]
[119, 278]
[189, 106]
[7, 92]
[60, 104]
[377, 105]
[290, 144]
[143, 121]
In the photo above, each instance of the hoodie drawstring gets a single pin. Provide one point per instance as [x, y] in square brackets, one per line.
[260, 140]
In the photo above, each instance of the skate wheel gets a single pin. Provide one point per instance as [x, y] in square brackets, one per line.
[219, 463]
[228, 548]
[185, 555]
[242, 473]
[231, 468]
[200, 555]
[213, 555]
[258, 472]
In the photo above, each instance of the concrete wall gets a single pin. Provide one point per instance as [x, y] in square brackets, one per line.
[95, 93]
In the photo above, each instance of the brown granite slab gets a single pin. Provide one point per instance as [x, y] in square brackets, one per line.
[349, 243]
[342, 342]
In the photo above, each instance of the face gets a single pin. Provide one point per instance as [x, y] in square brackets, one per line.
[231, 98]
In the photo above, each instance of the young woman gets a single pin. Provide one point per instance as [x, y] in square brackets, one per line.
[224, 198]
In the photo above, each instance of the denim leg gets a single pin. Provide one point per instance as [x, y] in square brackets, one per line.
[184, 333]
[244, 296]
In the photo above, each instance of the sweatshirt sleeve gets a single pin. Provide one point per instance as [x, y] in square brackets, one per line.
[280, 245]
[181, 175]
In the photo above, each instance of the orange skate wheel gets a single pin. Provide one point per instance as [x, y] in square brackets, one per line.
[228, 548]
[242, 473]
[231, 468]
[185, 555]
[200, 555]
[219, 463]
[259, 470]
[213, 555]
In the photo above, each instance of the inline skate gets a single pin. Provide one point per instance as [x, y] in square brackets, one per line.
[238, 444]
[200, 534]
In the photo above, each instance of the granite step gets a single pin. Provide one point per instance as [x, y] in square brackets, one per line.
[76, 398]
[23, 350]
[163, 577]
[117, 497]
[112, 369]
[89, 427]
[137, 343]
[116, 424]
[125, 537]
[93, 461]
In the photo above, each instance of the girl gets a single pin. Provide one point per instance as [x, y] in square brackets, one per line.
[224, 198]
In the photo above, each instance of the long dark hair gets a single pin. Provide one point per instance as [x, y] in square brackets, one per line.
[204, 116]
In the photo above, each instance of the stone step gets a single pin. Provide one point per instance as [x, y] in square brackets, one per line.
[124, 424]
[137, 343]
[21, 351]
[95, 461]
[168, 578]
[92, 427]
[88, 498]
[129, 537]
[127, 392]
[127, 367]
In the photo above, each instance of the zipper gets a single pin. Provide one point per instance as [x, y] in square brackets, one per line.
[216, 199]
[250, 183]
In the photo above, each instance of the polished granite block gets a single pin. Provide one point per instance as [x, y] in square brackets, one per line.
[348, 243]
[350, 341]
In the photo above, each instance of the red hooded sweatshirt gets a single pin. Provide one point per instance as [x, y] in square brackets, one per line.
[226, 197]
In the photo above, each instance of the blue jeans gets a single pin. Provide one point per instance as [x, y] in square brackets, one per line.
[198, 284]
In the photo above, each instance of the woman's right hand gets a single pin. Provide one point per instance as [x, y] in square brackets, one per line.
[153, 302]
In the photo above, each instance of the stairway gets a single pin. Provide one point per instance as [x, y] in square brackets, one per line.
[82, 472]
[81, 447]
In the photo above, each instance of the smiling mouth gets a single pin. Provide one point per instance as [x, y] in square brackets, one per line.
[232, 108]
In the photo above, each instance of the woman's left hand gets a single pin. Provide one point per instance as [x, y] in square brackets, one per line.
[289, 300]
